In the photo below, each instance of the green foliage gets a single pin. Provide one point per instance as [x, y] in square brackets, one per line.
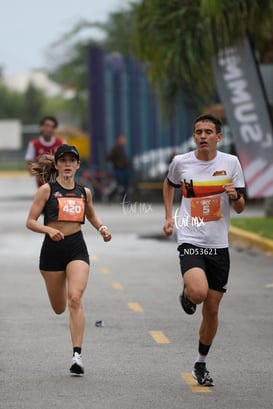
[28, 106]
[178, 38]
[230, 20]
[11, 103]
[34, 101]
[71, 69]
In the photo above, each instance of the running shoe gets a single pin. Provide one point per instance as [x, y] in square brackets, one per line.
[76, 365]
[187, 305]
[201, 374]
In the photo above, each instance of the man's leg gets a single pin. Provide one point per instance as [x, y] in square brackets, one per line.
[195, 285]
[207, 332]
[209, 324]
[195, 289]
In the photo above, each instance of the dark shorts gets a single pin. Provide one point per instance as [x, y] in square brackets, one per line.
[215, 263]
[55, 255]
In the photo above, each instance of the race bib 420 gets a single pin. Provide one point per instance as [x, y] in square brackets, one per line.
[71, 209]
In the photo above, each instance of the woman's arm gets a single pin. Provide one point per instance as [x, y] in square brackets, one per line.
[35, 212]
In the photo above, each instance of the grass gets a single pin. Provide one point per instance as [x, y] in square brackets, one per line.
[12, 166]
[259, 225]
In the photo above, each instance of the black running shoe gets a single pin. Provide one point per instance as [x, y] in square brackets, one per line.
[201, 374]
[187, 305]
[77, 365]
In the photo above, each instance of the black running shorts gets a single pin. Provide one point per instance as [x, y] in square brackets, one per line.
[55, 255]
[215, 263]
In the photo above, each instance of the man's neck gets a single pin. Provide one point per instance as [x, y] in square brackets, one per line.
[205, 155]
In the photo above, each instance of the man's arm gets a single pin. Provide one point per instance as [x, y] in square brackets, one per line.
[168, 196]
[236, 197]
[238, 203]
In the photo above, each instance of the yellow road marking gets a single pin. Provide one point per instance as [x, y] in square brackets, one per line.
[105, 270]
[134, 306]
[94, 258]
[117, 286]
[159, 337]
[194, 385]
[13, 173]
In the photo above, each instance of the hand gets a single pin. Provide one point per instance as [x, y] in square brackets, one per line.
[231, 191]
[168, 227]
[106, 235]
[55, 235]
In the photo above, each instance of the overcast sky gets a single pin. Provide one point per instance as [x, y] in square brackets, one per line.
[28, 27]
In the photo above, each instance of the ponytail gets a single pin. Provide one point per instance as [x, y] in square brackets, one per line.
[44, 169]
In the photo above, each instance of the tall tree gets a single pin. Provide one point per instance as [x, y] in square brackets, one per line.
[178, 38]
[11, 103]
[34, 101]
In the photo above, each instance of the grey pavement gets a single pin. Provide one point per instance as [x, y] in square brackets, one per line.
[125, 366]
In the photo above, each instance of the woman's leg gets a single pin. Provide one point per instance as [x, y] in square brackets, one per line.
[77, 273]
[56, 288]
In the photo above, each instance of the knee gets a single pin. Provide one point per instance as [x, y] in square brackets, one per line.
[74, 302]
[211, 311]
[197, 296]
[59, 311]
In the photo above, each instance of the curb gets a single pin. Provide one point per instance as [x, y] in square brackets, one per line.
[247, 237]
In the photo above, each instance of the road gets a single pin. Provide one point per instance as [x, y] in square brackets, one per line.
[142, 357]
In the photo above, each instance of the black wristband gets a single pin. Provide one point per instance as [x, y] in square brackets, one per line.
[237, 198]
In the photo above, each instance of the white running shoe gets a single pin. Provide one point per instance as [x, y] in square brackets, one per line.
[76, 365]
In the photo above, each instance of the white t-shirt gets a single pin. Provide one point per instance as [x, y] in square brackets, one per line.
[204, 214]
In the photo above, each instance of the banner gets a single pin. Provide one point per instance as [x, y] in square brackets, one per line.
[241, 90]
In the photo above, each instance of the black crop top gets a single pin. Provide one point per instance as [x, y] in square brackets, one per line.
[65, 204]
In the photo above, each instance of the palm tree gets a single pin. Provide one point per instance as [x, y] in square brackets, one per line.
[178, 39]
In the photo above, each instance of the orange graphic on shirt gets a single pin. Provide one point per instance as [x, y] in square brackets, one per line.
[207, 209]
[71, 210]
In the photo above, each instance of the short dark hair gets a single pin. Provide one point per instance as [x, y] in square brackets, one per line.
[49, 118]
[210, 118]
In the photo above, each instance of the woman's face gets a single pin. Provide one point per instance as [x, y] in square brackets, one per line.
[67, 165]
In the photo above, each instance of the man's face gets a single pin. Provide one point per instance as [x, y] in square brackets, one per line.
[47, 129]
[205, 136]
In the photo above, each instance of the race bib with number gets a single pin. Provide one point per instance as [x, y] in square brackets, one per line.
[71, 209]
[207, 209]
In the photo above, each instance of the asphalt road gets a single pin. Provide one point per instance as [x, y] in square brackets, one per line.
[142, 357]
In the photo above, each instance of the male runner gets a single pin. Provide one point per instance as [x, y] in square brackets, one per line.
[47, 143]
[210, 181]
